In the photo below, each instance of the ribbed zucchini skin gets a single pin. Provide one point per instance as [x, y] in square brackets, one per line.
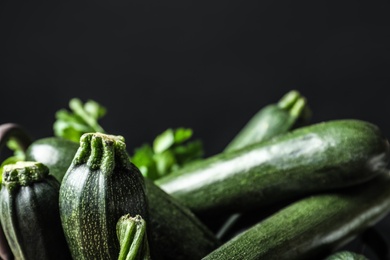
[30, 214]
[54, 153]
[314, 158]
[313, 227]
[100, 186]
[272, 120]
[346, 255]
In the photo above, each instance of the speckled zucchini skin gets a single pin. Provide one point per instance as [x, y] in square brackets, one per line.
[100, 186]
[29, 212]
[318, 157]
[313, 227]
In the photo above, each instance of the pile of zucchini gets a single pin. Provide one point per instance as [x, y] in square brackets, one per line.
[283, 188]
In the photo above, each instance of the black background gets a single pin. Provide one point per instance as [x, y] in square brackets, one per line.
[208, 65]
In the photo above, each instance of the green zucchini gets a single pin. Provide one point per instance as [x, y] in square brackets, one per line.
[274, 119]
[168, 232]
[177, 233]
[53, 152]
[290, 112]
[313, 227]
[29, 212]
[318, 157]
[99, 187]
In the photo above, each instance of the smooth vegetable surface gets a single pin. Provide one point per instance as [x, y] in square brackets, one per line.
[53, 152]
[272, 120]
[312, 227]
[100, 186]
[314, 158]
[30, 214]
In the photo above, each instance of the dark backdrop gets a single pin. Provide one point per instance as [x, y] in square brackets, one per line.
[208, 65]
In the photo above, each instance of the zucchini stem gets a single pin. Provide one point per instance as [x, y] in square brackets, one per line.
[16, 132]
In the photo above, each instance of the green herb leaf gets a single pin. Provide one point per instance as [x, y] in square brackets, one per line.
[82, 118]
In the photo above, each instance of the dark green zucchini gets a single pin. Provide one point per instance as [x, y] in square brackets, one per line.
[53, 152]
[29, 212]
[318, 157]
[313, 227]
[99, 187]
[289, 112]
[169, 232]
[177, 233]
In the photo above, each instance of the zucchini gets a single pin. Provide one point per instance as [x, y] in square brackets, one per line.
[290, 112]
[177, 233]
[29, 212]
[99, 187]
[318, 157]
[168, 232]
[313, 227]
[272, 120]
[53, 152]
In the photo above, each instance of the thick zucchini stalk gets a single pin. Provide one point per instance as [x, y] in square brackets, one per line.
[313, 227]
[314, 158]
[273, 120]
[100, 186]
[29, 212]
[131, 232]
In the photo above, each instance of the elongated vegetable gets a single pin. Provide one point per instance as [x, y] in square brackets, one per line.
[100, 186]
[272, 120]
[29, 212]
[131, 232]
[314, 158]
[313, 227]
[290, 112]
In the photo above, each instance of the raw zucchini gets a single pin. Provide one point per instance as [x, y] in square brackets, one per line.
[177, 233]
[53, 152]
[318, 157]
[168, 232]
[100, 186]
[272, 120]
[29, 212]
[313, 227]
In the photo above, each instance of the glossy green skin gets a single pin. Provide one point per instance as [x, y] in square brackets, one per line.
[31, 220]
[314, 158]
[100, 186]
[313, 227]
[289, 112]
[56, 153]
[177, 232]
